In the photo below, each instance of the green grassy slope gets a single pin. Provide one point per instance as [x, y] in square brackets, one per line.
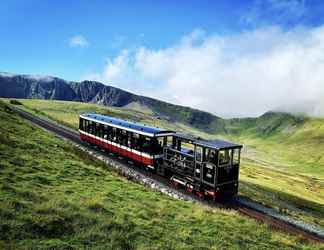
[284, 141]
[276, 147]
[282, 162]
[53, 196]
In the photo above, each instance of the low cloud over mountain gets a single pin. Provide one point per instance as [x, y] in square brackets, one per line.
[245, 74]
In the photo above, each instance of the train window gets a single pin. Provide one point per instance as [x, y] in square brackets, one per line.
[146, 147]
[169, 141]
[160, 141]
[199, 153]
[157, 145]
[98, 129]
[114, 134]
[118, 135]
[136, 144]
[236, 156]
[211, 156]
[105, 132]
[92, 127]
[81, 124]
[178, 144]
[88, 126]
[108, 132]
[124, 138]
[165, 141]
[129, 139]
[85, 123]
[188, 147]
[102, 130]
[225, 157]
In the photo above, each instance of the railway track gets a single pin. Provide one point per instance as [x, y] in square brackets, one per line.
[278, 224]
[246, 208]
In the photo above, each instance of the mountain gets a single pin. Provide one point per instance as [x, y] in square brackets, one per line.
[53, 88]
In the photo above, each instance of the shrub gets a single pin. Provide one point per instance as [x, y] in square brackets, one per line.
[15, 102]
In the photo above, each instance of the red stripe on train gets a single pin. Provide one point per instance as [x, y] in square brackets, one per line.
[115, 149]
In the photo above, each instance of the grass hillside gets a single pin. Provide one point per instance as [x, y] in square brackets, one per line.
[284, 141]
[55, 197]
[281, 163]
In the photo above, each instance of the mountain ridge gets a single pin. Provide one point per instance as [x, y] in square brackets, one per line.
[54, 88]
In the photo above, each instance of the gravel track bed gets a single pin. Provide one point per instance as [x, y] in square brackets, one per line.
[312, 229]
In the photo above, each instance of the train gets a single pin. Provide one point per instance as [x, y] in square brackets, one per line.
[207, 168]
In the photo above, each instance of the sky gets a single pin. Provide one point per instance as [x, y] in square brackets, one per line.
[231, 58]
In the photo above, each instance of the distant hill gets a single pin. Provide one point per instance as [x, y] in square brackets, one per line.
[265, 125]
[53, 88]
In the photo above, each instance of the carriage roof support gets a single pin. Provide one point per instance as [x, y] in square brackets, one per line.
[214, 144]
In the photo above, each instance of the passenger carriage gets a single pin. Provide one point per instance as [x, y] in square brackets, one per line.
[143, 144]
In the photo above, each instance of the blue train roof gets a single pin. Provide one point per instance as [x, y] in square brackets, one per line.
[130, 126]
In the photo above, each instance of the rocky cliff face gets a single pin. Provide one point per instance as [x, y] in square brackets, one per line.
[53, 88]
[22, 86]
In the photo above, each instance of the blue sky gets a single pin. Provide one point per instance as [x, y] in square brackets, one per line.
[100, 39]
[36, 33]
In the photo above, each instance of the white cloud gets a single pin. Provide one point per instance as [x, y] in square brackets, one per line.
[78, 41]
[7, 74]
[40, 78]
[245, 74]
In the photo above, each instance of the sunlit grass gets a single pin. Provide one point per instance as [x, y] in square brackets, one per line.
[55, 197]
[288, 165]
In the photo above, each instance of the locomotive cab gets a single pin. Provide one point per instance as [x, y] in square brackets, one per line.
[210, 168]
